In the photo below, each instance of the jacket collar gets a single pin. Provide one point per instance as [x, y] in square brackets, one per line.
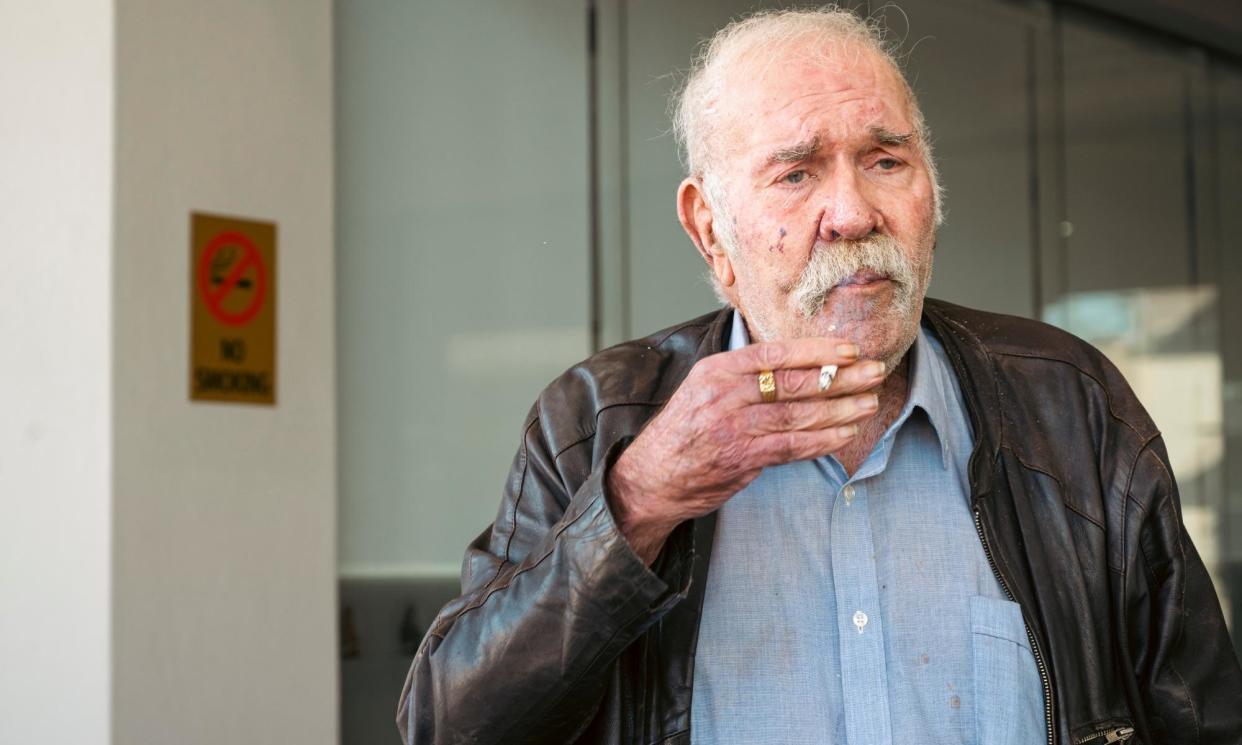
[977, 378]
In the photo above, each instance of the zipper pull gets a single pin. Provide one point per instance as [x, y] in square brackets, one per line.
[1111, 736]
[1121, 734]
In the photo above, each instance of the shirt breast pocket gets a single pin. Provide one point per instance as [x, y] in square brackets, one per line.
[1007, 710]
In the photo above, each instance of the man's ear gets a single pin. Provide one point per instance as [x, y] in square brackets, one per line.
[697, 220]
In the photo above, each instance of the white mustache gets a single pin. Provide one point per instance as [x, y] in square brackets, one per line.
[834, 263]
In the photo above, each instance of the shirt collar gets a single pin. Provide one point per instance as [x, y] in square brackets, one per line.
[738, 337]
[930, 389]
[929, 382]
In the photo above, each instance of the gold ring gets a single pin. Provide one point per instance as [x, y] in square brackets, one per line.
[767, 386]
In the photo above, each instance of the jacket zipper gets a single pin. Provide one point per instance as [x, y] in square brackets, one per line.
[1039, 658]
[1111, 736]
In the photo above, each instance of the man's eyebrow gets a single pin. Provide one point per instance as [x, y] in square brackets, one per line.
[794, 153]
[890, 138]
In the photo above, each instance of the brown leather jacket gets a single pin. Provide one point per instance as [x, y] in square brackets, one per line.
[562, 635]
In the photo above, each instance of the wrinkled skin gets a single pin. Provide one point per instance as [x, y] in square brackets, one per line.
[716, 435]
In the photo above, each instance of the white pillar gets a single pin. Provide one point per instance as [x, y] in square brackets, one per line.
[167, 568]
[55, 370]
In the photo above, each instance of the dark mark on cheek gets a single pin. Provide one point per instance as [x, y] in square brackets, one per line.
[779, 245]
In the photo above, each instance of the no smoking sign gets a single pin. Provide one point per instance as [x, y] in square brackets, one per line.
[232, 309]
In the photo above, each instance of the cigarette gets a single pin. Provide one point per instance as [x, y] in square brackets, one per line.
[827, 374]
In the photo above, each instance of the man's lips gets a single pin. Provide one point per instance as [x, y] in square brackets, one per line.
[862, 278]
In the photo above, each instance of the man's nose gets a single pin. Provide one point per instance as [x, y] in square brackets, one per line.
[849, 213]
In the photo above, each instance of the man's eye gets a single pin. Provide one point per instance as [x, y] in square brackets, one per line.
[795, 177]
[887, 164]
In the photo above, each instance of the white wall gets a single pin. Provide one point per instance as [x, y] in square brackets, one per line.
[55, 379]
[225, 530]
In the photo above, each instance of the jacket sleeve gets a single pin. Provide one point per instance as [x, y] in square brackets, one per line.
[1186, 669]
[552, 594]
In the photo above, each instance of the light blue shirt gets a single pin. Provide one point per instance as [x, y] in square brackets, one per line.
[863, 610]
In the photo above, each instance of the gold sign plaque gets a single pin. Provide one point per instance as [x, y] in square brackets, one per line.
[232, 309]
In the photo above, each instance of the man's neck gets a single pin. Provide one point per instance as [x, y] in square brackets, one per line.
[893, 393]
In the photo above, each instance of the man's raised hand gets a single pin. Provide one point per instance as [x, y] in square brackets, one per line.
[716, 434]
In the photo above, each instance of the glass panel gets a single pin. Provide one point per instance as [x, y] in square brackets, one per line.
[1126, 153]
[463, 206]
[462, 262]
[1132, 251]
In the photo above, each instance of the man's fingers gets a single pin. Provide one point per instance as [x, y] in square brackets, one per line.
[786, 447]
[795, 384]
[789, 353]
[810, 414]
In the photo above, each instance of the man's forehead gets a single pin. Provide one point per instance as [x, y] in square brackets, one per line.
[791, 68]
[791, 98]
[787, 136]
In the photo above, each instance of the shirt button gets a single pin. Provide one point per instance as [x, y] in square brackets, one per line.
[848, 493]
[860, 620]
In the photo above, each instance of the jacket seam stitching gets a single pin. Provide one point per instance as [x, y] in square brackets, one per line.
[594, 432]
[1124, 631]
[493, 590]
[1194, 712]
[1108, 396]
[1142, 510]
[521, 489]
[488, 589]
[1146, 445]
[574, 444]
[1167, 474]
[1181, 590]
[1060, 485]
[1147, 564]
[1083, 515]
[1190, 700]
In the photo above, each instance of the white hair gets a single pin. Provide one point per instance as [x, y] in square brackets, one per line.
[765, 32]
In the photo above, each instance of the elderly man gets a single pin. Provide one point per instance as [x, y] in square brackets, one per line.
[831, 513]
